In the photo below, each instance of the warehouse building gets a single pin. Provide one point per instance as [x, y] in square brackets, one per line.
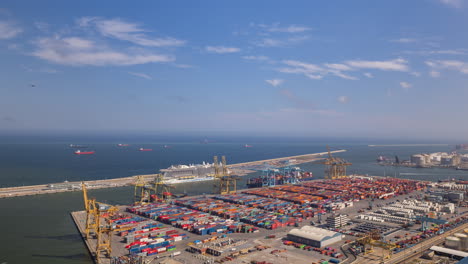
[314, 236]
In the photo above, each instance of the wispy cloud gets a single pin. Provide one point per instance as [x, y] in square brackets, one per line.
[343, 99]
[455, 65]
[141, 75]
[183, 66]
[434, 74]
[275, 82]
[277, 27]
[256, 58]
[127, 31]
[452, 3]
[404, 40]
[78, 51]
[280, 42]
[438, 52]
[288, 29]
[9, 30]
[312, 71]
[389, 65]
[405, 85]
[222, 49]
[317, 72]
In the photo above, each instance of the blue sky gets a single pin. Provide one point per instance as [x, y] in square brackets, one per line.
[320, 68]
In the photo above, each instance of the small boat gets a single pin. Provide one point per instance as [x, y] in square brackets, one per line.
[79, 152]
[143, 149]
[122, 145]
[166, 146]
[247, 146]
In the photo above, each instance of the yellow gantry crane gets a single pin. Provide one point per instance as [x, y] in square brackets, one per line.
[145, 190]
[97, 223]
[336, 167]
[374, 239]
[227, 183]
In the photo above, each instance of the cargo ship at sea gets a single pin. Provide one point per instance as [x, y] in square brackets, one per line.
[272, 177]
[144, 149]
[79, 152]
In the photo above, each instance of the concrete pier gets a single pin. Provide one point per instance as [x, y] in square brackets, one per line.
[239, 169]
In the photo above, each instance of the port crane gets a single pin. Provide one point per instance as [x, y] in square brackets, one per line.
[335, 167]
[97, 223]
[227, 183]
[374, 239]
[145, 191]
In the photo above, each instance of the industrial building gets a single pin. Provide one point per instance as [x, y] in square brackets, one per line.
[336, 221]
[314, 236]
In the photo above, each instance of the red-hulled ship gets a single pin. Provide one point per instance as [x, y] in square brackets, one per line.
[143, 149]
[79, 152]
[122, 145]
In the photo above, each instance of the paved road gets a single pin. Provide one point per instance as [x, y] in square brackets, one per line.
[402, 256]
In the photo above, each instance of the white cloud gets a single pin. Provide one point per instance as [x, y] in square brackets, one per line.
[256, 58]
[314, 71]
[404, 40]
[277, 27]
[132, 32]
[288, 29]
[439, 52]
[417, 74]
[183, 66]
[9, 30]
[343, 99]
[390, 65]
[452, 3]
[275, 42]
[141, 75]
[455, 65]
[405, 85]
[368, 75]
[338, 66]
[434, 74]
[221, 49]
[311, 71]
[78, 51]
[275, 82]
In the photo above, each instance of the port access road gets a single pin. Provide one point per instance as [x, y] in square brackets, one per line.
[238, 169]
[405, 255]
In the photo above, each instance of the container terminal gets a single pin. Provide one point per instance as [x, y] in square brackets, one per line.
[340, 219]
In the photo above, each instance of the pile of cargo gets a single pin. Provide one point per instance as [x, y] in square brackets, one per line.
[191, 220]
[287, 196]
[243, 213]
[270, 204]
[151, 238]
